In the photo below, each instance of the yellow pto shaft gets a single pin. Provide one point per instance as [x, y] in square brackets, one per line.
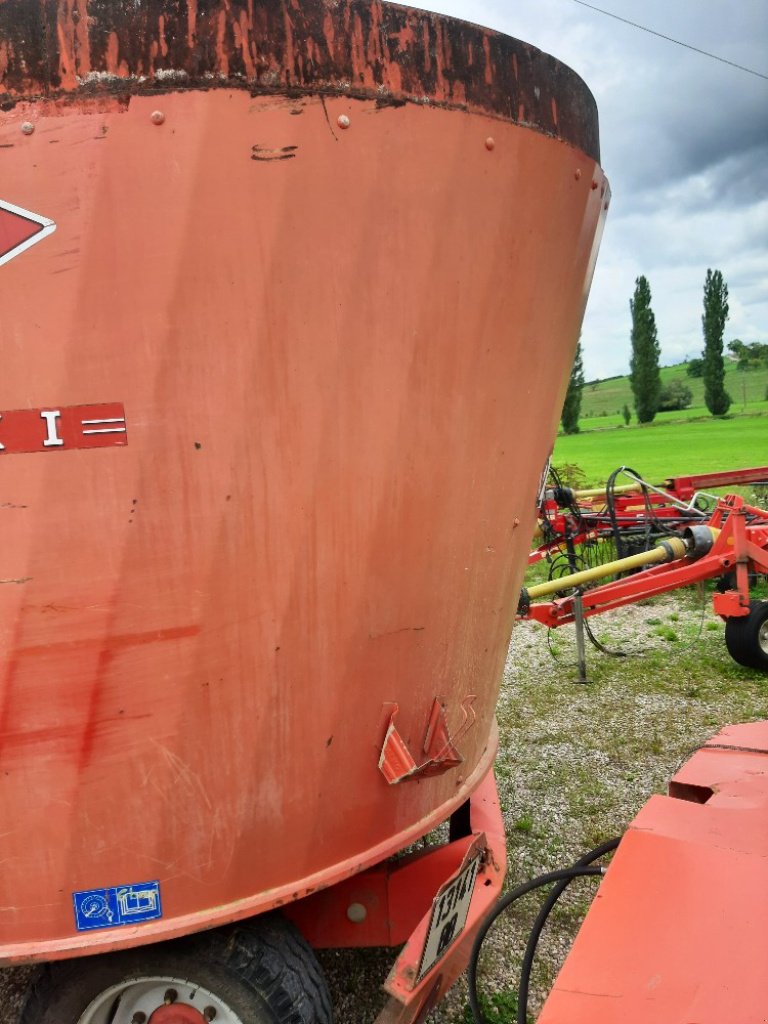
[668, 550]
[599, 492]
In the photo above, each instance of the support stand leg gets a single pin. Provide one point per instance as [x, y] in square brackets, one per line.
[581, 654]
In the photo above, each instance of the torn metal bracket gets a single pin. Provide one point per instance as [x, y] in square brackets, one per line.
[397, 764]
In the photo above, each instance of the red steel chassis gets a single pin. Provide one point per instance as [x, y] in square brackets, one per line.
[560, 526]
[740, 547]
[678, 933]
[390, 905]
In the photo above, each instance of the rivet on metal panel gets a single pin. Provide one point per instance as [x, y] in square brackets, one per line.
[356, 913]
[577, 174]
[27, 127]
[344, 121]
[158, 117]
[490, 143]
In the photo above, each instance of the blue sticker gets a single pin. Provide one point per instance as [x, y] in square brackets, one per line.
[118, 906]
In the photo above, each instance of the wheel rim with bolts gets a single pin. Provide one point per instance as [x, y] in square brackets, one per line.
[762, 637]
[158, 1000]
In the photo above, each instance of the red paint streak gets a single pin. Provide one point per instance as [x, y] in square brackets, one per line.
[106, 657]
[489, 62]
[427, 47]
[115, 643]
[72, 30]
[441, 55]
[66, 53]
[83, 39]
[375, 52]
[328, 32]
[113, 54]
[221, 50]
[362, 68]
[288, 60]
[246, 26]
[161, 33]
[554, 111]
[191, 22]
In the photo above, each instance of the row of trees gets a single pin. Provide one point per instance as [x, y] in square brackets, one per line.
[644, 371]
[644, 375]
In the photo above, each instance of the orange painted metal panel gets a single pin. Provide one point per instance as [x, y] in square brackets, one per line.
[677, 932]
[339, 354]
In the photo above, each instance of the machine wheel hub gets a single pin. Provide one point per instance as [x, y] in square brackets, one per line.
[177, 1013]
[762, 637]
[158, 1000]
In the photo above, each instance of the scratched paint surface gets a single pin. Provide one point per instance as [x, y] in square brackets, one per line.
[341, 375]
[362, 48]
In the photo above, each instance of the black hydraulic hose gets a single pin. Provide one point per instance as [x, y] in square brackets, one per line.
[566, 874]
[610, 501]
[533, 940]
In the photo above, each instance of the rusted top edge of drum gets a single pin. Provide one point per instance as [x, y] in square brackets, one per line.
[361, 48]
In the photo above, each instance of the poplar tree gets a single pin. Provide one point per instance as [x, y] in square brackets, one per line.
[572, 403]
[717, 399]
[644, 376]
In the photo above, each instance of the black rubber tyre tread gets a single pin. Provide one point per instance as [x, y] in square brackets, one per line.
[741, 637]
[263, 967]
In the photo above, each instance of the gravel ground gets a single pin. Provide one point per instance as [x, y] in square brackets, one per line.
[576, 764]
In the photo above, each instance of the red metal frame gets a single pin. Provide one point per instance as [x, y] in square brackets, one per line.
[630, 510]
[740, 546]
[391, 904]
[678, 933]
[684, 487]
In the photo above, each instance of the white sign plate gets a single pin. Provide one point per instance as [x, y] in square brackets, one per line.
[449, 915]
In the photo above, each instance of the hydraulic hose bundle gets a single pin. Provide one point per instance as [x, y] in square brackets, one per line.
[584, 867]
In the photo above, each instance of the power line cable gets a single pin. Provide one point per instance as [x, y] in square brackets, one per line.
[671, 39]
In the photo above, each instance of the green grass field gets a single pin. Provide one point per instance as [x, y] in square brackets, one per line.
[676, 443]
[663, 449]
[607, 398]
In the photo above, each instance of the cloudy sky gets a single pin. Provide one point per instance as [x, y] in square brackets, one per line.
[685, 145]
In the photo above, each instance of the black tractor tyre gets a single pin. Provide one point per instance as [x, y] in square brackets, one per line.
[261, 971]
[746, 636]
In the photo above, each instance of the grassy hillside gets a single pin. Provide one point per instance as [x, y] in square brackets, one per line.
[607, 398]
[668, 448]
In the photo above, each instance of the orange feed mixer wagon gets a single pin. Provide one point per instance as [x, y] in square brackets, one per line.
[290, 293]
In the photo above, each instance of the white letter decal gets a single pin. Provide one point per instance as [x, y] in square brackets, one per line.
[50, 418]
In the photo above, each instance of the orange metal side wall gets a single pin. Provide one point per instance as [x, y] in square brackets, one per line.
[341, 373]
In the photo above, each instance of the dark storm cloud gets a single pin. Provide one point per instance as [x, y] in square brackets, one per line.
[680, 132]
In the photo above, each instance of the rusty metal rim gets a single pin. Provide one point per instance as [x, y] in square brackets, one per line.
[365, 49]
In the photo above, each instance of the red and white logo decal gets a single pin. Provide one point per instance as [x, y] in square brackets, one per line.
[58, 429]
[20, 229]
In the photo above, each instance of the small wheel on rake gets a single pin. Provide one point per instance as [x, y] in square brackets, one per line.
[746, 636]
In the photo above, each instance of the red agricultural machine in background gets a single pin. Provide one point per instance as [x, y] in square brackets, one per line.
[649, 540]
